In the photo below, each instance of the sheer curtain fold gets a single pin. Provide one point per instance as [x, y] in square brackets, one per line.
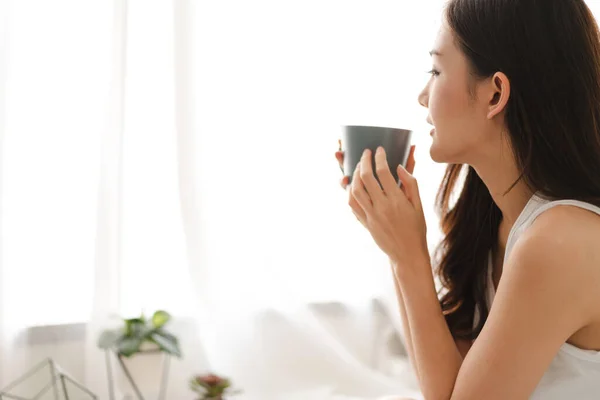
[145, 222]
[108, 260]
[54, 69]
[4, 335]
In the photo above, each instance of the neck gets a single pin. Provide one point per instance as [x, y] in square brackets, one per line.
[498, 179]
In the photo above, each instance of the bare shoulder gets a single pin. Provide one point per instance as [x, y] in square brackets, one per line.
[568, 232]
[575, 219]
[562, 248]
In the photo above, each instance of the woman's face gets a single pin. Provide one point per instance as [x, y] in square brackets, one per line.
[461, 121]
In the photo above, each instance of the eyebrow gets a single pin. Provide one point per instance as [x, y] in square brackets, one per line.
[435, 52]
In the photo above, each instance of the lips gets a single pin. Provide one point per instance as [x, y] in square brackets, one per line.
[432, 132]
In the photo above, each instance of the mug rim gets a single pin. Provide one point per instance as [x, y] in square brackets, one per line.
[379, 127]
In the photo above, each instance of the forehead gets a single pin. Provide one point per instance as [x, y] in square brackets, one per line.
[444, 41]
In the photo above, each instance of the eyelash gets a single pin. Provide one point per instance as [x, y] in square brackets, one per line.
[433, 72]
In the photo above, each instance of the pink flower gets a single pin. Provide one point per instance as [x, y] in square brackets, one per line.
[210, 379]
[211, 386]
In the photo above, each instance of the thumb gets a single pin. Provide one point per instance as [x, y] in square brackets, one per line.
[410, 187]
[410, 163]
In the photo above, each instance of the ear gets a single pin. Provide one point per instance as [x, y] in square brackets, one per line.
[498, 94]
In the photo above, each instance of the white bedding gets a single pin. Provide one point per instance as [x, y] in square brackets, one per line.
[324, 352]
[326, 394]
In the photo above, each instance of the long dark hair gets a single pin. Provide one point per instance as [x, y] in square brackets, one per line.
[550, 52]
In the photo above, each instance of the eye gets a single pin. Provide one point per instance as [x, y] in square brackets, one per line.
[433, 72]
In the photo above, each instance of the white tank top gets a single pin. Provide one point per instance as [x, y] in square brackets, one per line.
[574, 373]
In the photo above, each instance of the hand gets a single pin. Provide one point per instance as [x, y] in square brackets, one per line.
[339, 155]
[393, 215]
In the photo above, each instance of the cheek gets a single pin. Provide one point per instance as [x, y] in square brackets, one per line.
[443, 102]
[449, 110]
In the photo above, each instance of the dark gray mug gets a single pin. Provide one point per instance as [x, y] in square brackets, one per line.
[357, 138]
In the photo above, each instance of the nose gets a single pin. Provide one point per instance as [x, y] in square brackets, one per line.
[424, 97]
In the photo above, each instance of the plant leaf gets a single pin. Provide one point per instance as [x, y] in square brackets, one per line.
[167, 335]
[108, 339]
[144, 332]
[224, 384]
[167, 342]
[134, 326]
[198, 386]
[128, 346]
[160, 318]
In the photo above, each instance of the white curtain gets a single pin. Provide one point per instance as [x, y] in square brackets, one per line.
[55, 62]
[272, 83]
[179, 154]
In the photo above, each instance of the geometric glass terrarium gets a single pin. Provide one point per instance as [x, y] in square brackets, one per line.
[46, 381]
[140, 345]
[157, 390]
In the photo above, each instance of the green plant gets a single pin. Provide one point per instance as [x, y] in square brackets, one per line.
[128, 339]
[211, 386]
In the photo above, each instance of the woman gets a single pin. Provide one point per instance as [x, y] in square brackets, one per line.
[514, 97]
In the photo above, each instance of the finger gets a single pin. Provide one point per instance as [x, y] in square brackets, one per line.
[361, 218]
[355, 206]
[358, 191]
[357, 211]
[367, 177]
[344, 182]
[411, 188]
[410, 163]
[339, 155]
[383, 172]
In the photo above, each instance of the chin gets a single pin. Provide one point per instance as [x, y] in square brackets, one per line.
[442, 155]
[436, 153]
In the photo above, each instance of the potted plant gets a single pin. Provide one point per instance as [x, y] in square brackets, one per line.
[212, 387]
[141, 345]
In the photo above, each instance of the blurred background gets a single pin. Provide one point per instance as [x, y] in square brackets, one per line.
[178, 155]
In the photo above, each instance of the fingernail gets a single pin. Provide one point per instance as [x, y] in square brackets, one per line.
[379, 150]
[366, 152]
